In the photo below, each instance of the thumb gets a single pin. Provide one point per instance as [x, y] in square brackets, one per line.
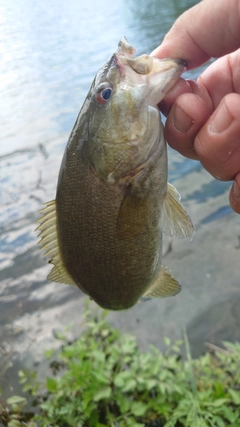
[234, 196]
[217, 144]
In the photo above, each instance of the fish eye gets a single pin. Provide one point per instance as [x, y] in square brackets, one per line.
[104, 94]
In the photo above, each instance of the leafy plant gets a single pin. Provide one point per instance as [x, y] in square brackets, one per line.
[102, 379]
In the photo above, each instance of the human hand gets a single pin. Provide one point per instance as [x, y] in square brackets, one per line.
[204, 116]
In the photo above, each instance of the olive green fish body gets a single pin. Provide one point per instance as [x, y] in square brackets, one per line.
[103, 232]
[109, 236]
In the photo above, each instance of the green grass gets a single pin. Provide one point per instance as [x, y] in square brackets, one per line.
[103, 379]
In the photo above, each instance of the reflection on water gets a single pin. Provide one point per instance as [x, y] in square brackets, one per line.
[50, 52]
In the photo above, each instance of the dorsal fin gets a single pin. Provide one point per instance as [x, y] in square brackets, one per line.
[175, 221]
[49, 244]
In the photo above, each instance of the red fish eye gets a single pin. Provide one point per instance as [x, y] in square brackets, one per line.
[104, 95]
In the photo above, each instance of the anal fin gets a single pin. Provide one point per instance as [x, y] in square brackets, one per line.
[163, 286]
[175, 221]
[49, 244]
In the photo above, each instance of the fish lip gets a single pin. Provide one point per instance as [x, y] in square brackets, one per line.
[119, 65]
[182, 62]
[115, 62]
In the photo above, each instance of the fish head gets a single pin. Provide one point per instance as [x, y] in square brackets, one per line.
[124, 126]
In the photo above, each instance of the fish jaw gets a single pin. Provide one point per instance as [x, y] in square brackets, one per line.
[155, 76]
[163, 77]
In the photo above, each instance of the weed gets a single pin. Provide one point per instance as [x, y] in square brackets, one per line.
[104, 380]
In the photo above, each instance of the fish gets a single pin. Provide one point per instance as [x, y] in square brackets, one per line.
[103, 232]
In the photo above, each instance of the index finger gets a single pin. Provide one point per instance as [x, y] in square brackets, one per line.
[208, 29]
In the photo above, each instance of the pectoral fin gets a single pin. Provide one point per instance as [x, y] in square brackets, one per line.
[175, 221]
[49, 243]
[164, 285]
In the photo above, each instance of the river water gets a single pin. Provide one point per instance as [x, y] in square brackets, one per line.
[50, 52]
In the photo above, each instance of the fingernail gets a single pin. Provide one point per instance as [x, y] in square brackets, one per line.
[182, 122]
[236, 190]
[221, 120]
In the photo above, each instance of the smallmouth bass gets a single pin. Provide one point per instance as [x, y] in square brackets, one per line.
[103, 232]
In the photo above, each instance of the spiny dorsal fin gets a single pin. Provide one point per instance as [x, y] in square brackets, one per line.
[175, 221]
[164, 285]
[49, 244]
